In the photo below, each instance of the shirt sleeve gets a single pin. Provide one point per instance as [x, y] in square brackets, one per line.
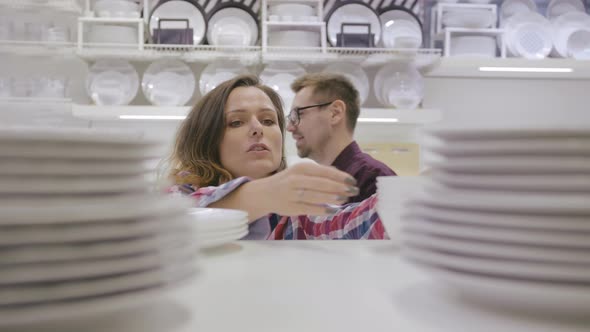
[205, 196]
[354, 221]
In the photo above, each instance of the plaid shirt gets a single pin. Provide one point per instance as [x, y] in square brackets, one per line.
[353, 221]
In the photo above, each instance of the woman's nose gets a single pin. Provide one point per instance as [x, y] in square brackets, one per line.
[256, 128]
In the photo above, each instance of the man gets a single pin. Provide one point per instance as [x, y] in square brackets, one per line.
[322, 121]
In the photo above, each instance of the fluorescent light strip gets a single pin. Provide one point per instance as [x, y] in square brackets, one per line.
[182, 117]
[378, 120]
[527, 69]
[152, 117]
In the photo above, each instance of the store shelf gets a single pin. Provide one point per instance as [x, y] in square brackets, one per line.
[158, 113]
[295, 24]
[36, 48]
[71, 6]
[118, 20]
[511, 68]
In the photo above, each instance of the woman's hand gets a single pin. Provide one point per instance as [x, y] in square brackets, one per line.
[307, 188]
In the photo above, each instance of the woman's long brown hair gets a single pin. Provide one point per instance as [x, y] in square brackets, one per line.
[196, 156]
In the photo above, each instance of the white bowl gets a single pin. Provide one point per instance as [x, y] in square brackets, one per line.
[563, 28]
[294, 38]
[112, 82]
[294, 9]
[219, 72]
[478, 46]
[399, 85]
[556, 8]
[113, 34]
[116, 8]
[279, 76]
[469, 18]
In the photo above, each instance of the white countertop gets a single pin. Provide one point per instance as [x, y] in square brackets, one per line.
[311, 286]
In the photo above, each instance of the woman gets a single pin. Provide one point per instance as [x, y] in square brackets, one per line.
[229, 153]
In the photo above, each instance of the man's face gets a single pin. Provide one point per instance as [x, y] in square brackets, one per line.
[313, 129]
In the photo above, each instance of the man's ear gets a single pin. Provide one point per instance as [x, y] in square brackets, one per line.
[338, 109]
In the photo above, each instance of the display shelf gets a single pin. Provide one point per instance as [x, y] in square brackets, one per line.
[69, 6]
[37, 48]
[161, 113]
[550, 68]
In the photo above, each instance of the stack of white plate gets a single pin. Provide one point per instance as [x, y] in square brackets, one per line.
[216, 227]
[80, 231]
[505, 219]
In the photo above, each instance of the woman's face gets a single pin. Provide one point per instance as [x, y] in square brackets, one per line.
[253, 143]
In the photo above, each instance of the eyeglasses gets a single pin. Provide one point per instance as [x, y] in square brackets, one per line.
[294, 116]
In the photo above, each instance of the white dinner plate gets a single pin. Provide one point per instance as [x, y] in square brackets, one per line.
[517, 294]
[212, 242]
[214, 219]
[353, 13]
[112, 82]
[26, 253]
[219, 72]
[168, 82]
[210, 234]
[179, 9]
[519, 182]
[556, 8]
[89, 306]
[497, 250]
[503, 147]
[500, 267]
[562, 239]
[493, 131]
[73, 167]
[499, 218]
[279, 76]
[514, 164]
[84, 232]
[221, 23]
[89, 137]
[74, 184]
[23, 274]
[55, 150]
[80, 209]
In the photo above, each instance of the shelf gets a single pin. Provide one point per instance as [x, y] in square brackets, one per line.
[552, 68]
[37, 48]
[294, 24]
[272, 2]
[119, 20]
[158, 113]
[69, 6]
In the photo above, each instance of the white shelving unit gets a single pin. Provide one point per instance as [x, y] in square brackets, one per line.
[84, 21]
[71, 6]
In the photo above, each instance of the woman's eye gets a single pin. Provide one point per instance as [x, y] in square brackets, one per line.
[268, 122]
[235, 123]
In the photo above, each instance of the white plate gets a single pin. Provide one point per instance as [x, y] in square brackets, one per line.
[500, 218]
[355, 74]
[25, 253]
[39, 293]
[279, 76]
[87, 233]
[89, 137]
[89, 306]
[507, 131]
[562, 239]
[55, 150]
[112, 82]
[524, 146]
[221, 240]
[517, 295]
[220, 19]
[21, 166]
[219, 72]
[23, 274]
[179, 10]
[528, 202]
[497, 250]
[469, 18]
[74, 184]
[512, 7]
[500, 267]
[168, 82]
[213, 219]
[203, 234]
[353, 13]
[519, 182]
[80, 209]
[514, 164]
[394, 16]
[556, 8]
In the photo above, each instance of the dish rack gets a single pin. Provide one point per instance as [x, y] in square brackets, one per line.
[440, 33]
